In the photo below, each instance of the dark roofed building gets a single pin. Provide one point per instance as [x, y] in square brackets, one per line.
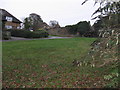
[9, 21]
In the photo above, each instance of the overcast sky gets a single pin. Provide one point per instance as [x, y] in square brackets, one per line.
[66, 12]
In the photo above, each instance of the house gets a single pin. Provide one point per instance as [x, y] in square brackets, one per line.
[9, 21]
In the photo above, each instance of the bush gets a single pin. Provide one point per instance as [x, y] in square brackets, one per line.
[6, 35]
[29, 34]
[42, 32]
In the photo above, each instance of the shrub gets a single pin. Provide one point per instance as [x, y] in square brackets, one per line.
[18, 33]
[29, 34]
[6, 35]
[43, 33]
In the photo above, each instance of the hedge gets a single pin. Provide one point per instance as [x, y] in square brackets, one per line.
[29, 34]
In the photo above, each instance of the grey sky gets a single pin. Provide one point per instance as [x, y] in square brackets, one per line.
[66, 12]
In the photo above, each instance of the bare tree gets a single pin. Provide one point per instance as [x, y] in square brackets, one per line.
[54, 24]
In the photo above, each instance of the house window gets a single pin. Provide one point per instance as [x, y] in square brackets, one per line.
[8, 27]
[9, 18]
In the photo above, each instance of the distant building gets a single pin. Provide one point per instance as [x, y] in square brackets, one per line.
[9, 21]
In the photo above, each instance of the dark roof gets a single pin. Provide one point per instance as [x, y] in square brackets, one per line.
[5, 13]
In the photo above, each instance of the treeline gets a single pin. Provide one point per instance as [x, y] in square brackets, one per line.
[82, 29]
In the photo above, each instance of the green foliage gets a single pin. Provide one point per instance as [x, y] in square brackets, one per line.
[29, 34]
[27, 24]
[98, 25]
[108, 77]
[113, 78]
[105, 52]
[109, 9]
[82, 28]
[6, 35]
[72, 29]
[43, 33]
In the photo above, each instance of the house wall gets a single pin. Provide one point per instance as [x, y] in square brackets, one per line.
[14, 25]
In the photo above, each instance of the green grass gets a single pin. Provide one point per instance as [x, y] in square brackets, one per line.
[48, 63]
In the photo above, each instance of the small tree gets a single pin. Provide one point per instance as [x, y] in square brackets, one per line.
[83, 27]
[27, 23]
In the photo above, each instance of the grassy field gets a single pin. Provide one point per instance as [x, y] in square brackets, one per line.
[48, 63]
